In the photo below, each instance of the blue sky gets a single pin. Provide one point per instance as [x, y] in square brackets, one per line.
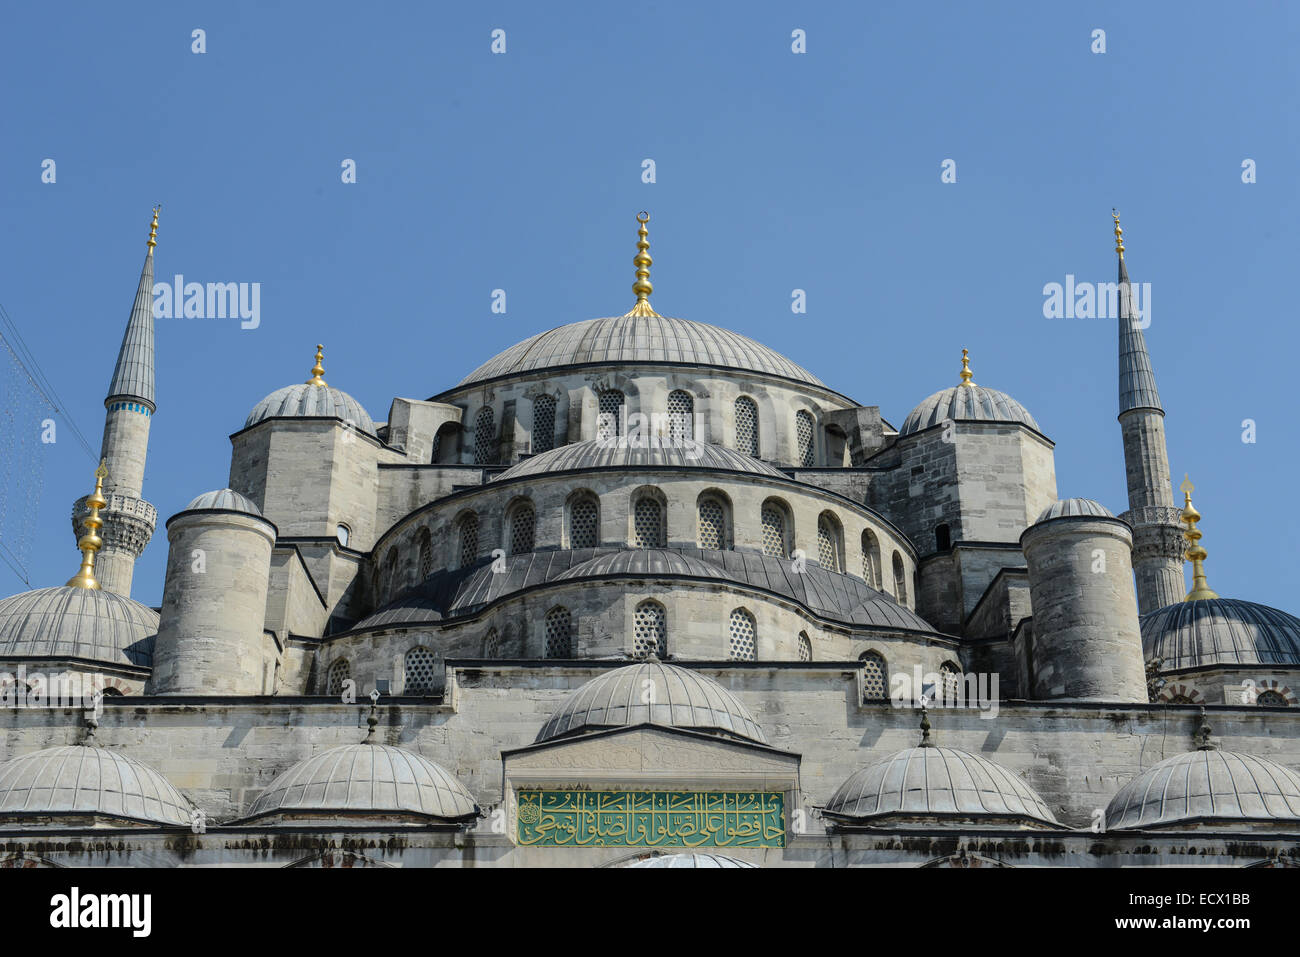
[775, 171]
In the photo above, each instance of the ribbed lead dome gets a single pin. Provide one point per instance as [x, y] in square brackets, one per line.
[1219, 785]
[83, 779]
[967, 402]
[226, 500]
[1074, 508]
[639, 340]
[594, 454]
[1220, 631]
[306, 400]
[65, 622]
[936, 782]
[688, 860]
[643, 561]
[361, 779]
[652, 692]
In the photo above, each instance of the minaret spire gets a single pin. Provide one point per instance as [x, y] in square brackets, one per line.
[643, 262]
[128, 521]
[1157, 536]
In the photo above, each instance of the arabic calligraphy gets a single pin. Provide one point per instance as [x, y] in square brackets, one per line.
[651, 818]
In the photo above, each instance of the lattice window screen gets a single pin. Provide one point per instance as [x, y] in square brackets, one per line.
[742, 635]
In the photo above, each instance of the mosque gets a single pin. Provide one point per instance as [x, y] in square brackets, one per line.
[639, 591]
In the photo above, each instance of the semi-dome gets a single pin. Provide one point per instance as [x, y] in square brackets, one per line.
[966, 402]
[87, 780]
[226, 500]
[1074, 508]
[305, 400]
[1220, 631]
[687, 860]
[643, 561]
[359, 780]
[64, 622]
[652, 692]
[1207, 784]
[596, 454]
[933, 782]
[639, 340]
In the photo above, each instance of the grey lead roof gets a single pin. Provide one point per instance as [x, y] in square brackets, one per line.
[595, 453]
[226, 500]
[65, 622]
[1137, 381]
[312, 401]
[643, 340]
[687, 860]
[133, 374]
[1206, 784]
[966, 402]
[452, 593]
[1074, 508]
[1220, 631]
[943, 782]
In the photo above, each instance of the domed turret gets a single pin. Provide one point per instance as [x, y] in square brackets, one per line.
[314, 398]
[964, 402]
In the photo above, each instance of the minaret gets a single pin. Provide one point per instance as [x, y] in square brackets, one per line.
[128, 520]
[1157, 538]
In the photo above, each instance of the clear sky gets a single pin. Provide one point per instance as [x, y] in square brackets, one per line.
[774, 171]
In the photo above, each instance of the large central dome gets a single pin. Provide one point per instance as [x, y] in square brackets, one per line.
[639, 339]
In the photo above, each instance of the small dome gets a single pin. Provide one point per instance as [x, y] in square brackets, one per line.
[1218, 785]
[965, 402]
[1220, 631]
[361, 779]
[688, 860]
[680, 699]
[65, 622]
[1074, 508]
[226, 500]
[643, 561]
[936, 782]
[594, 454]
[639, 340]
[312, 401]
[83, 779]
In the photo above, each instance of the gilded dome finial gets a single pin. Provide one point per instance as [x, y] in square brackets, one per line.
[153, 228]
[91, 542]
[643, 262]
[1195, 553]
[1119, 233]
[318, 370]
[967, 377]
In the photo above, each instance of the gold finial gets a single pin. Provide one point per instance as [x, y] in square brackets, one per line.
[1119, 233]
[643, 262]
[91, 542]
[153, 228]
[317, 370]
[1195, 553]
[967, 377]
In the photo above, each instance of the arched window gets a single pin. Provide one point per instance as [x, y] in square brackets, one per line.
[523, 522]
[871, 559]
[649, 520]
[559, 633]
[900, 580]
[492, 644]
[485, 434]
[1270, 699]
[711, 522]
[343, 533]
[112, 693]
[426, 554]
[747, 426]
[681, 416]
[803, 428]
[743, 636]
[543, 423]
[942, 537]
[390, 574]
[950, 675]
[875, 676]
[445, 443]
[584, 520]
[609, 423]
[339, 672]
[776, 529]
[417, 671]
[467, 539]
[805, 647]
[649, 630]
[828, 542]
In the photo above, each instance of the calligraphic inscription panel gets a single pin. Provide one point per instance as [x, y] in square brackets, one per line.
[651, 818]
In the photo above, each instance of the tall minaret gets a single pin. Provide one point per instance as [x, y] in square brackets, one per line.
[1157, 537]
[128, 520]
